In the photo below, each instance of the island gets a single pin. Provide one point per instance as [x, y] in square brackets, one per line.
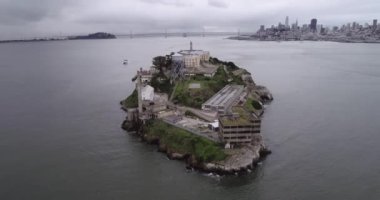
[98, 35]
[199, 109]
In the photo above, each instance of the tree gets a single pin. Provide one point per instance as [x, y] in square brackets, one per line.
[162, 62]
[159, 62]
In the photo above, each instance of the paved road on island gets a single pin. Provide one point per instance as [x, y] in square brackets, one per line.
[195, 132]
[210, 117]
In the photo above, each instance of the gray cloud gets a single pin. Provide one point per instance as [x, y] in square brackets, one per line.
[28, 18]
[178, 3]
[23, 11]
[217, 3]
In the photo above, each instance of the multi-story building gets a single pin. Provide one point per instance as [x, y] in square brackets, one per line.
[192, 60]
[191, 57]
[313, 25]
[239, 128]
[374, 25]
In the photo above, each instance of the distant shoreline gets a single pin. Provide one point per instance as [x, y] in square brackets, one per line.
[339, 40]
[31, 40]
[132, 35]
[94, 36]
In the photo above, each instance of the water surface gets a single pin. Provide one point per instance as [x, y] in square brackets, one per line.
[60, 135]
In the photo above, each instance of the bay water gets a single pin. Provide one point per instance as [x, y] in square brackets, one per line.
[60, 135]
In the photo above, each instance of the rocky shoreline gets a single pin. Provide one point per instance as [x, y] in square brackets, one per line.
[239, 161]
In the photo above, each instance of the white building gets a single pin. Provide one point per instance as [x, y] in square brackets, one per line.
[147, 93]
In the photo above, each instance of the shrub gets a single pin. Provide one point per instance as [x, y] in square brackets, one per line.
[256, 105]
[132, 100]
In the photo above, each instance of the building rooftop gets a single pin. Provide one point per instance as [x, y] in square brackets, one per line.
[225, 95]
[240, 117]
[144, 72]
[192, 52]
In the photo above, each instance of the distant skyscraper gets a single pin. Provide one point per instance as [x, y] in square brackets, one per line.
[323, 30]
[349, 26]
[294, 27]
[313, 25]
[287, 21]
[374, 25]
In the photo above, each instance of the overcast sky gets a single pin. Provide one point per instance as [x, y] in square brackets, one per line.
[29, 18]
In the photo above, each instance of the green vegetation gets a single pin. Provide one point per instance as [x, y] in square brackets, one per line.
[236, 79]
[257, 105]
[209, 86]
[162, 63]
[252, 104]
[230, 65]
[245, 113]
[184, 142]
[131, 101]
[162, 84]
[245, 117]
[192, 97]
[159, 81]
[99, 35]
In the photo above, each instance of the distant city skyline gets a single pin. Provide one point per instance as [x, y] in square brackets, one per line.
[348, 32]
[314, 24]
[28, 18]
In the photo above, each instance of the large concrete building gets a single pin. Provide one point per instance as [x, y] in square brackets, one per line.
[191, 57]
[223, 99]
[241, 127]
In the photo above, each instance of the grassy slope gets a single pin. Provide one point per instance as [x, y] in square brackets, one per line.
[181, 141]
[252, 105]
[131, 101]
